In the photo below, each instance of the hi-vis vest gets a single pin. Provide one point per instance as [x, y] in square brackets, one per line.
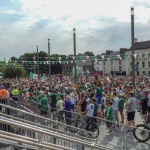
[15, 92]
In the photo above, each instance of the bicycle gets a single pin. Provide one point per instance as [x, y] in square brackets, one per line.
[91, 126]
[142, 131]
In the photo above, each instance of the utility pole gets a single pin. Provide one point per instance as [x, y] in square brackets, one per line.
[49, 64]
[34, 62]
[38, 61]
[133, 51]
[74, 42]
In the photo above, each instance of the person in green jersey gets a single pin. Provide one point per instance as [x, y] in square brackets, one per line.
[53, 101]
[109, 117]
[121, 103]
[44, 105]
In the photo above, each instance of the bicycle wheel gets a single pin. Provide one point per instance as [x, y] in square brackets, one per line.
[76, 124]
[141, 135]
[92, 127]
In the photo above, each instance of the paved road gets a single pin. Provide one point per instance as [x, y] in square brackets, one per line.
[120, 138]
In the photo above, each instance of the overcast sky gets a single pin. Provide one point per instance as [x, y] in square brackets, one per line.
[100, 25]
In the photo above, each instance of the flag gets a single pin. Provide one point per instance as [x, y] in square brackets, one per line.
[17, 80]
[33, 76]
[44, 77]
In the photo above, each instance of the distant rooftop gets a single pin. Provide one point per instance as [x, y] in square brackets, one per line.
[141, 45]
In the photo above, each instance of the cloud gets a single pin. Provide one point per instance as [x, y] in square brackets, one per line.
[99, 24]
[145, 4]
[40, 24]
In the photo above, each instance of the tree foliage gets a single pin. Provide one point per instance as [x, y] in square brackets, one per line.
[88, 53]
[13, 69]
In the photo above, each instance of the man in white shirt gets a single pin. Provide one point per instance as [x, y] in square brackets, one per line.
[73, 100]
[89, 110]
[115, 102]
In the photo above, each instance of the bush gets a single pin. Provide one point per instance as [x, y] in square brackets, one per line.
[12, 70]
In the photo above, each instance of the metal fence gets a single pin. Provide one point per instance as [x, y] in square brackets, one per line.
[120, 139]
[43, 137]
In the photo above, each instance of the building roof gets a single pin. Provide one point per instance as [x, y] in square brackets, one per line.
[141, 45]
[115, 53]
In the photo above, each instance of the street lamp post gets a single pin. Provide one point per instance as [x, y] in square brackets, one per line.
[132, 38]
[75, 69]
[49, 65]
[38, 61]
[34, 62]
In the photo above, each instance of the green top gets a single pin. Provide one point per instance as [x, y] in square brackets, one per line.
[44, 103]
[121, 102]
[60, 95]
[106, 112]
[99, 91]
[109, 113]
[53, 100]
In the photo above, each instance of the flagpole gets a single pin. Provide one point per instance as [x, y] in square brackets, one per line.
[49, 65]
[34, 62]
[75, 69]
[17, 80]
[38, 61]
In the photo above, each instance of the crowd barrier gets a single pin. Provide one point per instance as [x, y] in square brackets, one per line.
[120, 139]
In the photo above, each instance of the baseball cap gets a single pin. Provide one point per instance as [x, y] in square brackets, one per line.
[88, 100]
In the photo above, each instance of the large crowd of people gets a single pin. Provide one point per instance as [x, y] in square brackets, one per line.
[95, 96]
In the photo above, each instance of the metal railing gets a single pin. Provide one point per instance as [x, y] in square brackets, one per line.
[44, 122]
[43, 137]
[119, 140]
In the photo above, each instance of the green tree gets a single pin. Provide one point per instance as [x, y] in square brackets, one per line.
[12, 70]
[88, 53]
[14, 58]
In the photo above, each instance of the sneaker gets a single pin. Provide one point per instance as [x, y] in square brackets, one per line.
[129, 131]
[109, 133]
[114, 127]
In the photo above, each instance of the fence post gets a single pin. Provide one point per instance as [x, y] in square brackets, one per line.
[125, 138]
[40, 137]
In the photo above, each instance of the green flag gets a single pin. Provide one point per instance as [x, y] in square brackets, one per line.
[44, 77]
[33, 76]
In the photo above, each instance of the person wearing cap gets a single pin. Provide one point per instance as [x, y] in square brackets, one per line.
[131, 109]
[89, 111]
[121, 106]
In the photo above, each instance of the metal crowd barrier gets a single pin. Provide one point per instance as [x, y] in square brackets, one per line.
[43, 137]
[120, 139]
[44, 122]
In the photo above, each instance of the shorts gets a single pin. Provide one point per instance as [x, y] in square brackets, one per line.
[130, 116]
[99, 107]
[88, 119]
[144, 111]
[72, 106]
[103, 106]
[108, 124]
[120, 108]
[148, 109]
[43, 112]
